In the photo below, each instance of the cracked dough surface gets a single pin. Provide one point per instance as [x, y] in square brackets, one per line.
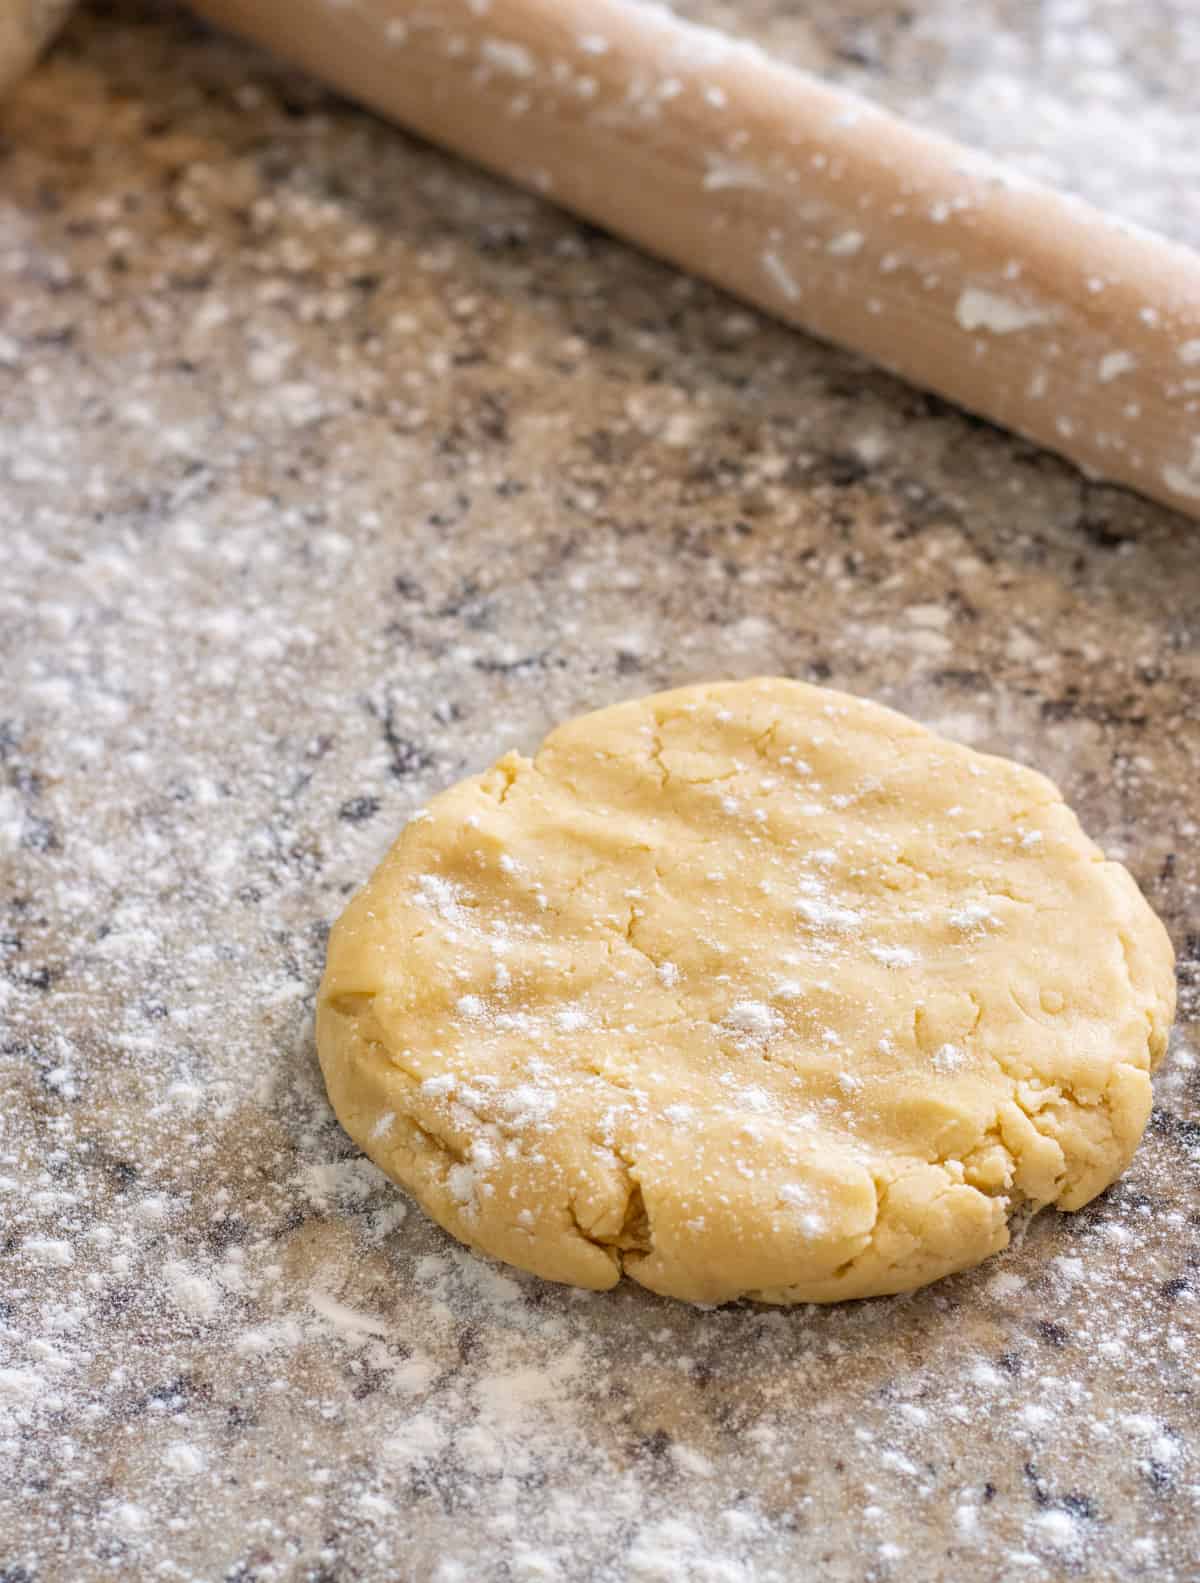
[749, 989]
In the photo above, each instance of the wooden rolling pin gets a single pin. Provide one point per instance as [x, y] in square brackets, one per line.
[1022, 305]
[1010, 299]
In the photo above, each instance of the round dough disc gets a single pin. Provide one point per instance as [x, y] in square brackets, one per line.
[752, 989]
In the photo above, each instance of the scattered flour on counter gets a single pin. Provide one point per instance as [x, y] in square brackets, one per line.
[51, 1252]
[185, 1459]
[243, 637]
[345, 1320]
[192, 1292]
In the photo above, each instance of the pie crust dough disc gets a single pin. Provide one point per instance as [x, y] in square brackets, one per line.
[751, 989]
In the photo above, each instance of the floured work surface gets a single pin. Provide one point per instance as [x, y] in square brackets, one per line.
[331, 471]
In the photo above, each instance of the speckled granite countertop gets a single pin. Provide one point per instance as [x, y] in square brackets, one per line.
[330, 470]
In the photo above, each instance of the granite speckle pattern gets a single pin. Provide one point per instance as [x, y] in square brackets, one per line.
[329, 469]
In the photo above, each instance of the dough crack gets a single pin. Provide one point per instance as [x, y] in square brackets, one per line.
[765, 740]
[628, 932]
[635, 1233]
[511, 768]
[584, 1235]
[978, 1005]
[656, 757]
[355, 1003]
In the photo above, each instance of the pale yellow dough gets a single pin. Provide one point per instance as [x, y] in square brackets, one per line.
[746, 990]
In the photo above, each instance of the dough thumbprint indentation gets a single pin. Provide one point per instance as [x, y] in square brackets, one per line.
[751, 989]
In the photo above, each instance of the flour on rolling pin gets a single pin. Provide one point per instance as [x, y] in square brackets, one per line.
[1031, 308]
